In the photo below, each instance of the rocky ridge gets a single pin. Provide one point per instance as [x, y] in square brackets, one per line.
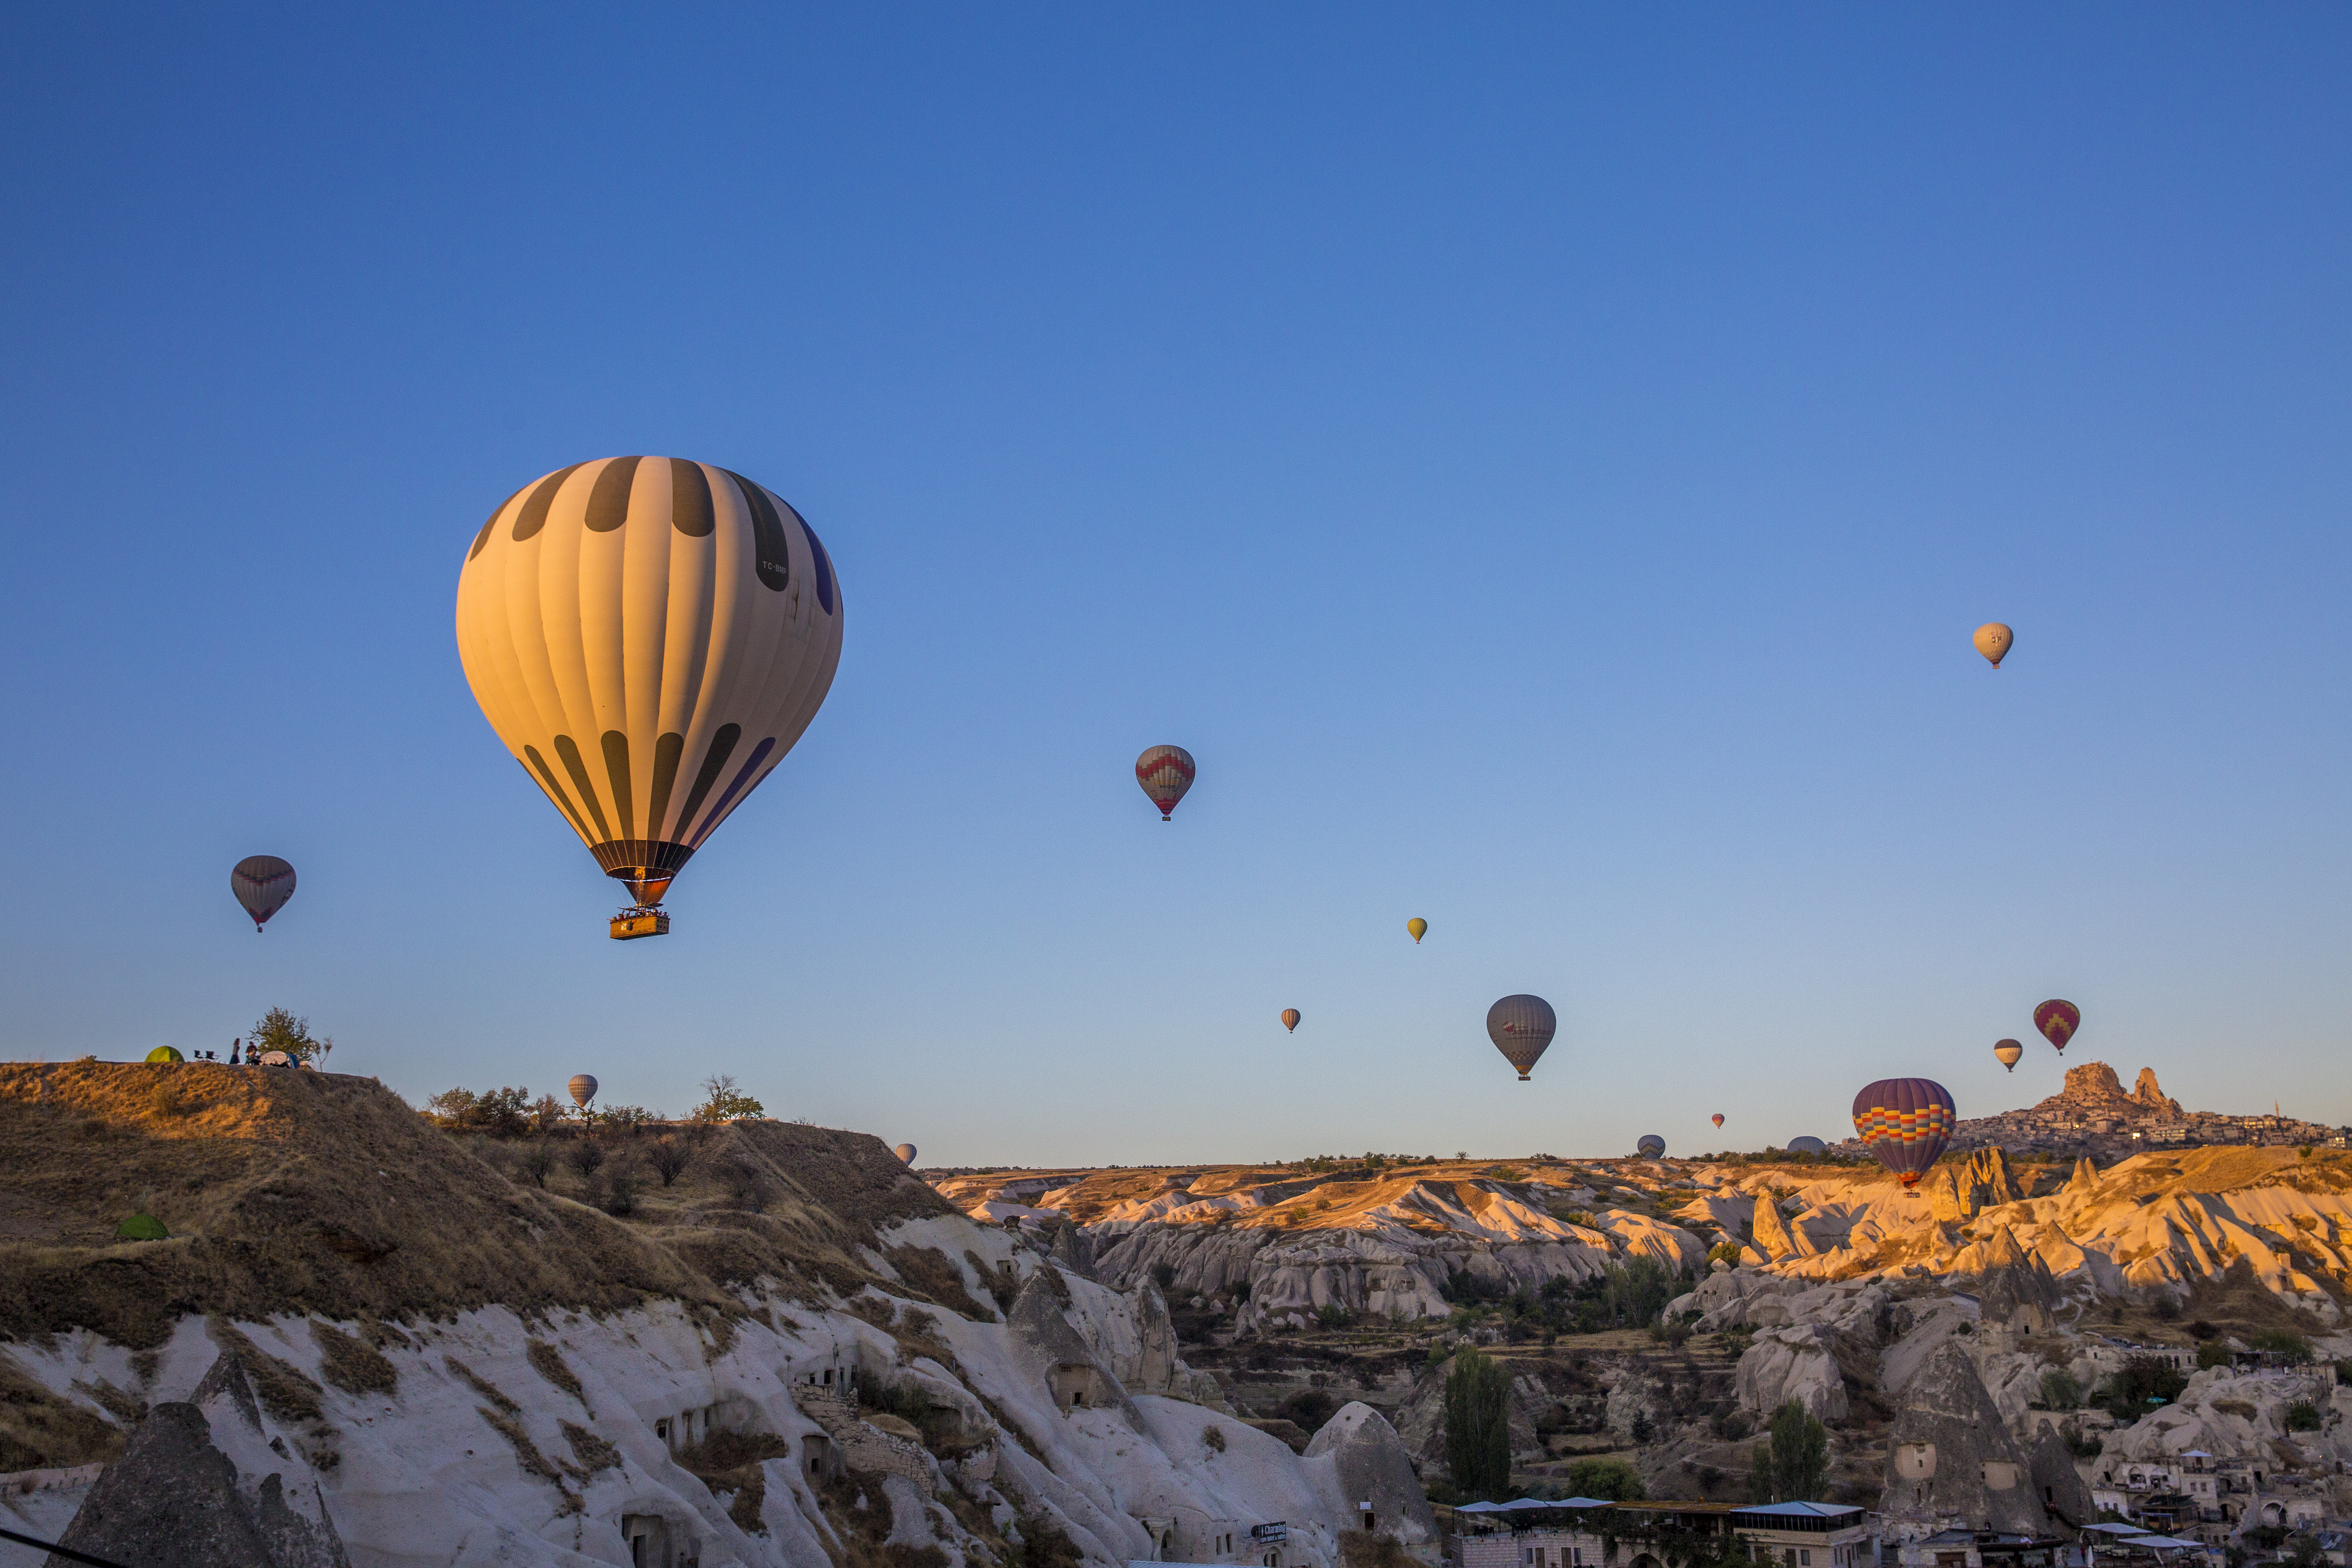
[364, 1342]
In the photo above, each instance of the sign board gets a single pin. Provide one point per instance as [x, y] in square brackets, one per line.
[1278, 1530]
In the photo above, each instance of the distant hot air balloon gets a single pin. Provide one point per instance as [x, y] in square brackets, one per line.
[2058, 1021]
[1521, 1026]
[583, 1089]
[1418, 927]
[1165, 772]
[649, 636]
[262, 883]
[1807, 1146]
[906, 1153]
[1906, 1121]
[1651, 1147]
[1290, 1019]
[2008, 1051]
[1719, 1119]
[1993, 640]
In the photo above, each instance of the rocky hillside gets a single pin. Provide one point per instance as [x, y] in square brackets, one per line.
[366, 1341]
[1881, 1311]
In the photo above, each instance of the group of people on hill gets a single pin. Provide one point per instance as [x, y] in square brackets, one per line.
[240, 1055]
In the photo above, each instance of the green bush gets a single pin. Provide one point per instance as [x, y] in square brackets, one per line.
[2060, 1391]
[2302, 1416]
[1613, 1481]
[2212, 1353]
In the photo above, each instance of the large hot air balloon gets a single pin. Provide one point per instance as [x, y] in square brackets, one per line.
[649, 636]
[1906, 1121]
[262, 883]
[1165, 772]
[2058, 1021]
[1993, 640]
[906, 1153]
[583, 1089]
[1521, 1026]
[1719, 1119]
[1807, 1145]
[1290, 1019]
[1418, 927]
[2008, 1051]
[1651, 1147]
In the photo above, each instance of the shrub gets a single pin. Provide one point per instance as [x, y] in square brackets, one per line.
[1644, 1430]
[585, 1156]
[2302, 1416]
[1163, 1275]
[1613, 1481]
[2211, 1353]
[1308, 1409]
[668, 1159]
[537, 1159]
[1732, 1425]
[1724, 1252]
[1215, 1436]
[2344, 1370]
[741, 1184]
[620, 1192]
[2060, 1391]
[2282, 1342]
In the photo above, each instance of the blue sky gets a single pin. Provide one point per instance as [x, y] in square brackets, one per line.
[1544, 463]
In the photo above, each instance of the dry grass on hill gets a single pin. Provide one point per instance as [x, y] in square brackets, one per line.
[316, 1192]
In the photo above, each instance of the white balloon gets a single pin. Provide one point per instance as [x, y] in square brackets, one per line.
[649, 636]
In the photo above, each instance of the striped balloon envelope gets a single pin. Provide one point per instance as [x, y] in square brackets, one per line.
[1521, 1027]
[649, 636]
[2058, 1021]
[1165, 772]
[1906, 1121]
[262, 883]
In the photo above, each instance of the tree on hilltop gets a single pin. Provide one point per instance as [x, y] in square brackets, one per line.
[280, 1030]
[723, 1103]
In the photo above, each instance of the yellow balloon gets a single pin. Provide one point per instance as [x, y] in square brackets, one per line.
[1419, 927]
[1993, 640]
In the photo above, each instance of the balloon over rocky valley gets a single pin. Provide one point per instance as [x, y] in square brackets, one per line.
[2007, 1052]
[906, 1153]
[1521, 1026]
[1906, 1121]
[1807, 1145]
[262, 883]
[1651, 1147]
[649, 636]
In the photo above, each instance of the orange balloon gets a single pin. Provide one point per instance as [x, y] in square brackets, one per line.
[1993, 640]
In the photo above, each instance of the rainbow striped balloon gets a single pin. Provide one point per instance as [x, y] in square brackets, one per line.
[1906, 1121]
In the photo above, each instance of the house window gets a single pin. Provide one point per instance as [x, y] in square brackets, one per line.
[828, 1377]
[1805, 1559]
[661, 1430]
